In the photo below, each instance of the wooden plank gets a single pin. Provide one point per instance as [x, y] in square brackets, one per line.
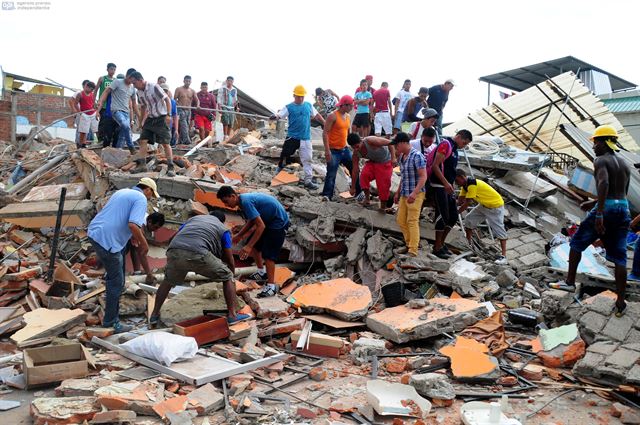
[181, 374]
[43, 322]
[332, 321]
[97, 291]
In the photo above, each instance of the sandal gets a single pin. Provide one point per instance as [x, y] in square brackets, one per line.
[619, 312]
[268, 290]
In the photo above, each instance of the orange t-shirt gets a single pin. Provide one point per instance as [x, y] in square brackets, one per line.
[338, 134]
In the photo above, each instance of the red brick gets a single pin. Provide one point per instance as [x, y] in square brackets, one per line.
[306, 413]
[318, 374]
[113, 416]
[24, 274]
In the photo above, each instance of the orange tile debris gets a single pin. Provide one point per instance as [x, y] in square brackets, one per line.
[284, 178]
[282, 275]
[468, 358]
[173, 405]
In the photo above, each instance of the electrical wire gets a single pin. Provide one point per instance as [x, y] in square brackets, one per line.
[551, 401]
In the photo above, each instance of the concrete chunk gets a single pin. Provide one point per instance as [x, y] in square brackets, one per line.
[433, 385]
[64, 410]
[207, 399]
[34, 215]
[265, 307]
[342, 298]
[364, 348]
[403, 324]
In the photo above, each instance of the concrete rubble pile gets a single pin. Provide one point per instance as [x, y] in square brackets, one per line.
[357, 334]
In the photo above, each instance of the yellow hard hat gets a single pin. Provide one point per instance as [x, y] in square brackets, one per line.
[607, 131]
[604, 131]
[299, 90]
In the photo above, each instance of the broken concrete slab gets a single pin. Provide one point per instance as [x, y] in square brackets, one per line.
[205, 400]
[35, 215]
[65, 410]
[190, 303]
[403, 324]
[80, 387]
[114, 157]
[355, 244]
[379, 250]
[114, 417]
[266, 307]
[342, 298]
[140, 397]
[364, 348]
[433, 385]
[52, 192]
[180, 187]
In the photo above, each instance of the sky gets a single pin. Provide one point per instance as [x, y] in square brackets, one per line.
[269, 47]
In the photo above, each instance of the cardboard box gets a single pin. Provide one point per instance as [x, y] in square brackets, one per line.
[54, 364]
[204, 329]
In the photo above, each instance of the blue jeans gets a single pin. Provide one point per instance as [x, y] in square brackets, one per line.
[123, 120]
[338, 156]
[616, 220]
[113, 263]
[635, 269]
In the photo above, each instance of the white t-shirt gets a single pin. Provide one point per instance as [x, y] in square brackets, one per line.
[415, 143]
[403, 98]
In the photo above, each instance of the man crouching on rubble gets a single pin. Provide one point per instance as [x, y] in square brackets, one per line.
[121, 219]
[609, 219]
[202, 245]
[265, 231]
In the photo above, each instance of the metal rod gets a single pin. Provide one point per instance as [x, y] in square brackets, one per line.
[56, 234]
[226, 112]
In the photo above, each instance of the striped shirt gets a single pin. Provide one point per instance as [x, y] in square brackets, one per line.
[153, 98]
[409, 166]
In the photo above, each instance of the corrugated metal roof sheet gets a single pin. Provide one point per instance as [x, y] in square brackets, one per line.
[623, 105]
[517, 118]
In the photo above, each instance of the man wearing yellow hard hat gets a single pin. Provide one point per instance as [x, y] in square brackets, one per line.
[109, 232]
[609, 219]
[299, 114]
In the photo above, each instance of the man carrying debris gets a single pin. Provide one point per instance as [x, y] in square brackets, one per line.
[204, 117]
[379, 166]
[106, 125]
[490, 208]
[185, 97]
[155, 120]
[83, 103]
[228, 101]
[442, 164]
[410, 195]
[299, 114]
[610, 218]
[153, 222]
[121, 219]
[336, 152]
[265, 231]
[203, 246]
[123, 100]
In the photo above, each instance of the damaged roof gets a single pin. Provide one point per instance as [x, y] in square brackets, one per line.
[522, 78]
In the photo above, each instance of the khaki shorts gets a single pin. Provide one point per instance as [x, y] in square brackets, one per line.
[493, 216]
[180, 262]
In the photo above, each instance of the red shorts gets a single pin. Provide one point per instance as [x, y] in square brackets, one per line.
[381, 173]
[202, 122]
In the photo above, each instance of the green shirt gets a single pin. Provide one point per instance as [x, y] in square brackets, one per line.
[106, 82]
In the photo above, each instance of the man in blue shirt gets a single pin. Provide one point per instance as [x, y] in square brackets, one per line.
[202, 245]
[121, 219]
[438, 97]
[299, 114]
[265, 229]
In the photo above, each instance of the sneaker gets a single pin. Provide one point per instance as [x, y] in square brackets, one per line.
[171, 172]
[563, 286]
[310, 185]
[268, 290]
[119, 328]
[502, 261]
[132, 151]
[278, 169]
[325, 199]
[360, 197]
[632, 276]
[258, 276]
[441, 254]
[446, 251]
[154, 321]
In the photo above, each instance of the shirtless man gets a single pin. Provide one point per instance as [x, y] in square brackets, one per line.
[185, 98]
[609, 219]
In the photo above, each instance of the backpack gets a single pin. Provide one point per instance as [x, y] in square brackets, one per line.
[431, 157]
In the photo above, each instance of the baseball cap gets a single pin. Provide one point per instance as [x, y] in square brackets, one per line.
[164, 86]
[369, 77]
[450, 81]
[345, 100]
[146, 181]
[429, 112]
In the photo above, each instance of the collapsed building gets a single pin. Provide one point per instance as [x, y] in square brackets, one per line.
[358, 334]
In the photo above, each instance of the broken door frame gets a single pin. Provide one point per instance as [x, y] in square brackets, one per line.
[235, 369]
